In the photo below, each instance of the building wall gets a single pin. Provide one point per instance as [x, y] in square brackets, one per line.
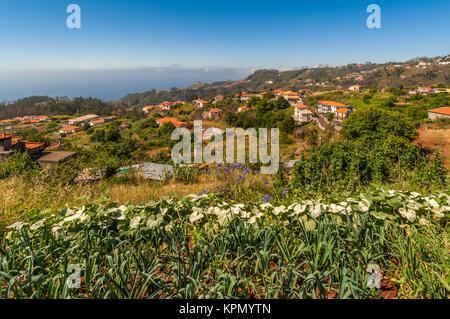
[435, 116]
[5, 144]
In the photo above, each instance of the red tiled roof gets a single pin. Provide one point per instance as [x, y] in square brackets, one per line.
[100, 120]
[70, 128]
[4, 136]
[33, 145]
[445, 110]
[342, 110]
[332, 103]
[175, 122]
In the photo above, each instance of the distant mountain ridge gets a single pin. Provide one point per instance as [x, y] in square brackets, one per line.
[413, 73]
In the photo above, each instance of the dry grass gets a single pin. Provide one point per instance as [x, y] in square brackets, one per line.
[145, 191]
[436, 139]
[18, 197]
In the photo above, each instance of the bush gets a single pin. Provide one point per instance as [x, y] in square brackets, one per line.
[186, 174]
[350, 165]
[18, 164]
[378, 123]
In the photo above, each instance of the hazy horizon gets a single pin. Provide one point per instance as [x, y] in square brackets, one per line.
[106, 84]
[126, 46]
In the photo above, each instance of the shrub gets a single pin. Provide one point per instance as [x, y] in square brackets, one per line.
[186, 174]
[378, 123]
[18, 164]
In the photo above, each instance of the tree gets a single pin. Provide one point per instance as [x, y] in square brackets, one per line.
[378, 123]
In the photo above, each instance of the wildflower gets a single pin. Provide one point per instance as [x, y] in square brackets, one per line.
[79, 215]
[37, 225]
[279, 210]
[236, 166]
[168, 228]
[123, 208]
[135, 221]
[154, 221]
[16, 226]
[414, 195]
[433, 203]
[195, 216]
[414, 205]
[195, 197]
[246, 170]
[223, 216]
[363, 206]
[265, 206]
[298, 209]
[409, 214]
[252, 220]
[122, 216]
[57, 228]
[439, 211]
[335, 209]
[267, 198]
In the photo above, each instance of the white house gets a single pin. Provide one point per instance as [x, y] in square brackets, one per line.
[200, 103]
[303, 114]
[423, 91]
[83, 119]
[355, 88]
[340, 110]
[329, 106]
[292, 97]
[439, 113]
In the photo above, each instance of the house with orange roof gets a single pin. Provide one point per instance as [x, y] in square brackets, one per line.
[146, 109]
[5, 142]
[325, 106]
[342, 113]
[83, 119]
[245, 96]
[218, 98]
[291, 96]
[303, 114]
[201, 103]
[69, 129]
[439, 113]
[214, 114]
[175, 122]
[98, 121]
[243, 108]
[10, 144]
[34, 148]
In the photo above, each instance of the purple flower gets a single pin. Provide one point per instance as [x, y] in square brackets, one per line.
[241, 178]
[236, 166]
[246, 170]
[266, 182]
[284, 190]
[267, 198]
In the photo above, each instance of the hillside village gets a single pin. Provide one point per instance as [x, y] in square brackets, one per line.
[364, 173]
[303, 107]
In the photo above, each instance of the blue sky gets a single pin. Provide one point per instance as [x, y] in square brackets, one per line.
[230, 36]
